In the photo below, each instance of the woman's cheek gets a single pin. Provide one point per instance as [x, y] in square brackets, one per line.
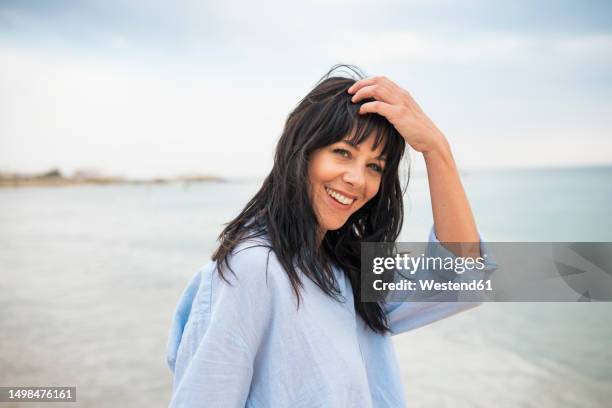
[374, 187]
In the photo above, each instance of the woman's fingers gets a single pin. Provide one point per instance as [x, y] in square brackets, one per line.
[361, 83]
[377, 91]
[379, 88]
[382, 108]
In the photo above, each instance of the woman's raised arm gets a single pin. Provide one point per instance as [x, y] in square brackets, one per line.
[453, 218]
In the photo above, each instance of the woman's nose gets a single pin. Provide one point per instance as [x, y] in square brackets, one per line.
[355, 176]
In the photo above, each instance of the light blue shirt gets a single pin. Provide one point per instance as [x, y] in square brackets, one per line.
[247, 345]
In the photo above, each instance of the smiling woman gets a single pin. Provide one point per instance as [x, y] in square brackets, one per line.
[277, 318]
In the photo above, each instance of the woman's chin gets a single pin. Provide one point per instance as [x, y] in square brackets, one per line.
[335, 225]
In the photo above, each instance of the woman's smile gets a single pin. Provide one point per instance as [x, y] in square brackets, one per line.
[340, 200]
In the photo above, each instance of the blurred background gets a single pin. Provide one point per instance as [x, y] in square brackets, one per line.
[130, 131]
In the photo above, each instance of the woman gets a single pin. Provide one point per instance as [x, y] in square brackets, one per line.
[276, 318]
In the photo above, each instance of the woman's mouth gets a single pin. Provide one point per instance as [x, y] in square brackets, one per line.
[339, 199]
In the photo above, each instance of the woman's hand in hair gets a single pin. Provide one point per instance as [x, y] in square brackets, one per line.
[398, 106]
[453, 218]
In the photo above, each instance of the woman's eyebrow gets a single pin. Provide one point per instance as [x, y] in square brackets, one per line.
[356, 147]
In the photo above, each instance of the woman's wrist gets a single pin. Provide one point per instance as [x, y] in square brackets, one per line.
[439, 151]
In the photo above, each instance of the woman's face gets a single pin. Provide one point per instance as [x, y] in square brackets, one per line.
[343, 177]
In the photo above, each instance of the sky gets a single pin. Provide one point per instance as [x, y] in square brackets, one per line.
[157, 89]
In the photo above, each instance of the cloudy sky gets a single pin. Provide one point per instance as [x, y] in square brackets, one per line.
[151, 88]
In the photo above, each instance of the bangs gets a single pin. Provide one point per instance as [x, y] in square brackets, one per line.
[331, 116]
[384, 133]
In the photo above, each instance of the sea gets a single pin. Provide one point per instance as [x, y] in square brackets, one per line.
[90, 276]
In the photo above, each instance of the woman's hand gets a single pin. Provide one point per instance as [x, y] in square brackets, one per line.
[398, 106]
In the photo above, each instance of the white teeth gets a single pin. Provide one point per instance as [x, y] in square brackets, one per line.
[339, 197]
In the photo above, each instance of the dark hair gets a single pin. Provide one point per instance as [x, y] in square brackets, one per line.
[282, 208]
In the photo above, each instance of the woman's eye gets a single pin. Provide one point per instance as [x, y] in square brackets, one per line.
[376, 168]
[347, 154]
[342, 152]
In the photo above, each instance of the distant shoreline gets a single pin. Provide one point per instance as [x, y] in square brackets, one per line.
[54, 178]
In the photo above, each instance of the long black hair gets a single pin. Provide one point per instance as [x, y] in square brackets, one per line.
[282, 208]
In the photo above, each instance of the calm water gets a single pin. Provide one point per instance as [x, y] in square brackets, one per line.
[90, 276]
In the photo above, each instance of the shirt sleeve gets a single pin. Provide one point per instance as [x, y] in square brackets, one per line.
[408, 315]
[214, 364]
